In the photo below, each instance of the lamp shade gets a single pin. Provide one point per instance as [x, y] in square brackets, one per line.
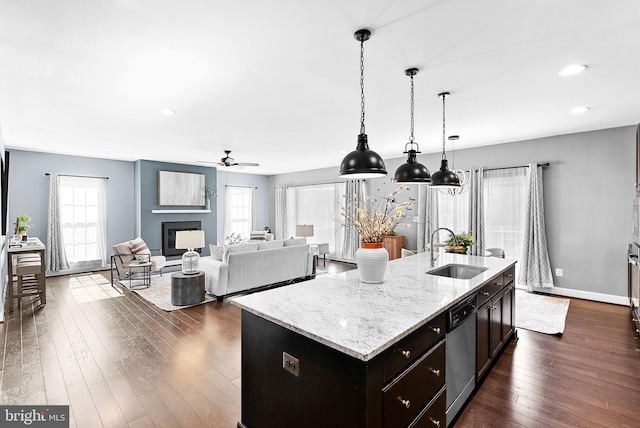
[304, 230]
[445, 178]
[189, 239]
[412, 171]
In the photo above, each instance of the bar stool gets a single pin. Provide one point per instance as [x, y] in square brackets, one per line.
[30, 279]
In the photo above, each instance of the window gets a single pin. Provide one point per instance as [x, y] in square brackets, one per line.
[318, 205]
[239, 211]
[83, 218]
[453, 212]
[504, 203]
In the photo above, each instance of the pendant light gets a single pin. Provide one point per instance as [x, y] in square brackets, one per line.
[362, 162]
[444, 178]
[412, 171]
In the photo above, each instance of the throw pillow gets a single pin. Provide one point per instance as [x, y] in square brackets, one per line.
[270, 244]
[296, 241]
[140, 250]
[216, 252]
[406, 253]
[243, 248]
[258, 235]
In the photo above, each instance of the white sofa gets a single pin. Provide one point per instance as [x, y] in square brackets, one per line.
[253, 265]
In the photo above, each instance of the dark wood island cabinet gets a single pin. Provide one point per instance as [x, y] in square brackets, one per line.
[333, 352]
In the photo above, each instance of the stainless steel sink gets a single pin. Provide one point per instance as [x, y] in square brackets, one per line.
[457, 271]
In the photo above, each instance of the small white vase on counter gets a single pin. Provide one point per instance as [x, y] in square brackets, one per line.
[372, 260]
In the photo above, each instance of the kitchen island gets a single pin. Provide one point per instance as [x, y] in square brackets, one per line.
[335, 352]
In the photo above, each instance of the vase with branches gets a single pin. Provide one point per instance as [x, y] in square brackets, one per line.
[374, 219]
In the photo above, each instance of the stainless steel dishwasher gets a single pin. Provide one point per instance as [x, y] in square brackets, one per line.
[460, 367]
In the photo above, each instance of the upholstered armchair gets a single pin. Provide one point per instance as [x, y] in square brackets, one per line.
[132, 252]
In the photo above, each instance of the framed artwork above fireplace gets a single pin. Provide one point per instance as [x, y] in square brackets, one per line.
[185, 189]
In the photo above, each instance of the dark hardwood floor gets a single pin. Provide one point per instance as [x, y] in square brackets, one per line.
[119, 361]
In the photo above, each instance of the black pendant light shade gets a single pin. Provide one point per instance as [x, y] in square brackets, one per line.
[444, 177]
[412, 171]
[362, 162]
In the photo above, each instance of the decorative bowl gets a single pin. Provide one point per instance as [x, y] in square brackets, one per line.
[460, 249]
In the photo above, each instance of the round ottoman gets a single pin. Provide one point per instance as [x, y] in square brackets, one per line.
[187, 289]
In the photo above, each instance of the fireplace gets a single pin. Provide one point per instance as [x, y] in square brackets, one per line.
[169, 229]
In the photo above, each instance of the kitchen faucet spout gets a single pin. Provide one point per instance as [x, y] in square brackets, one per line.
[453, 236]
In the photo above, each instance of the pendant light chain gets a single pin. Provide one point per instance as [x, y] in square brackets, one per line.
[444, 156]
[411, 137]
[362, 131]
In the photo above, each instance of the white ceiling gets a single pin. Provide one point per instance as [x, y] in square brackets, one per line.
[277, 82]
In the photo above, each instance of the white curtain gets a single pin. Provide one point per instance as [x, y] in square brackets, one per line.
[55, 257]
[504, 204]
[535, 271]
[279, 229]
[254, 210]
[351, 240]
[476, 212]
[427, 215]
[83, 214]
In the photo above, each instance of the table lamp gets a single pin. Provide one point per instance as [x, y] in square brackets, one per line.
[188, 240]
[304, 230]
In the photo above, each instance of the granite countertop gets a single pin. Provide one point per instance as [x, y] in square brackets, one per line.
[362, 320]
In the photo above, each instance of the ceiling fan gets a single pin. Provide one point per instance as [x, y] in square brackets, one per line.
[229, 161]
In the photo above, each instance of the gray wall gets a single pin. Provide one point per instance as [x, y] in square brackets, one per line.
[29, 190]
[588, 195]
[149, 224]
[261, 182]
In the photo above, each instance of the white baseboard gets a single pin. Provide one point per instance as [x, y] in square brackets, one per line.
[586, 295]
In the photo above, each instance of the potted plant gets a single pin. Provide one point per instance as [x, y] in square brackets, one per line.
[22, 226]
[210, 192]
[461, 244]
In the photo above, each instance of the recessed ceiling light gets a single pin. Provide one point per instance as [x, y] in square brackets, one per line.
[572, 69]
[167, 111]
[580, 109]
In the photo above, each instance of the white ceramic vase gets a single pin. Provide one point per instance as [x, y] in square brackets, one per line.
[372, 261]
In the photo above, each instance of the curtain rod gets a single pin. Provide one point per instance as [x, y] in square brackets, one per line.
[544, 165]
[81, 176]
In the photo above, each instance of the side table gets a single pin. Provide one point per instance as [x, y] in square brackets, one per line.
[140, 270]
[187, 289]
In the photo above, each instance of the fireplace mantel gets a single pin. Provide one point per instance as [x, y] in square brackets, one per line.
[180, 211]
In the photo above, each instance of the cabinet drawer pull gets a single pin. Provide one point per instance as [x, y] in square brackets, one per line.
[509, 275]
[406, 354]
[499, 284]
[435, 422]
[485, 293]
[493, 308]
[405, 403]
[435, 371]
[436, 330]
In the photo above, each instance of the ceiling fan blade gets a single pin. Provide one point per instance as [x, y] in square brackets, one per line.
[247, 164]
[209, 162]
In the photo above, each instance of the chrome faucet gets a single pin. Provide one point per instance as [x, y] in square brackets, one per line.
[453, 236]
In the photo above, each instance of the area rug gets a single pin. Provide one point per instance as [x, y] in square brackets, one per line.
[159, 293]
[541, 313]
